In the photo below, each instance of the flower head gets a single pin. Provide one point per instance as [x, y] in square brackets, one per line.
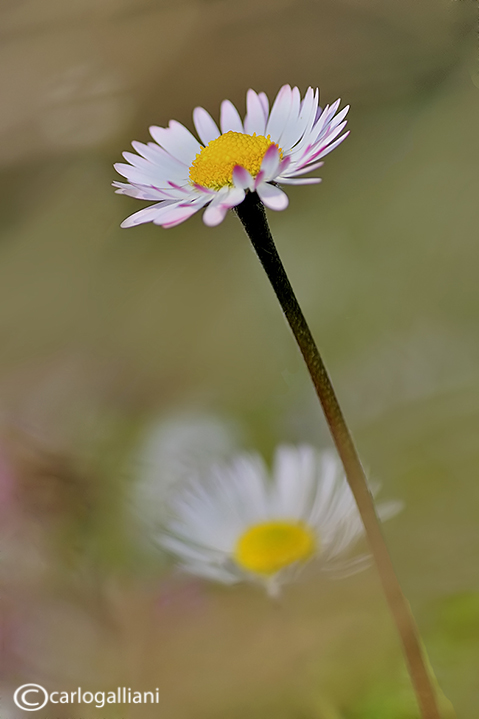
[243, 525]
[271, 147]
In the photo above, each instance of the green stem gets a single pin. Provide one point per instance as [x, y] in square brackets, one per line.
[252, 214]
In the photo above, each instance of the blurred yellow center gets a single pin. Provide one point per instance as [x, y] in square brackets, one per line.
[213, 166]
[268, 547]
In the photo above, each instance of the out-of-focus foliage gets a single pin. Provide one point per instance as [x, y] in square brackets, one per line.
[111, 336]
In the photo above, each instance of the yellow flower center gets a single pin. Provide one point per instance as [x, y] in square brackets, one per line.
[213, 166]
[268, 547]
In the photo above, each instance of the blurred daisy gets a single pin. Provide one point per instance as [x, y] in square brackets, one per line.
[278, 146]
[170, 452]
[244, 525]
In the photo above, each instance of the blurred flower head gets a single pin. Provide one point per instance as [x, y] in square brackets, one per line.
[171, 451]
[242, 524]
[270, 147]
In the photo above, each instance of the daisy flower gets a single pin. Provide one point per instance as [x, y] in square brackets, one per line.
[183, 175]
[243, 524]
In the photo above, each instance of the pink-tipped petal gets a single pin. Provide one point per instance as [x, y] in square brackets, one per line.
[214, 214]
[302, 155]
[333, 146]
[301, 170]
[258, 179]
[255, 120]
[279, 113]
[330, 111]
[230, 118]
[270, 163]
[206, 127]
[332, 133]
[329, 148]
[242, 178]
[273, 197]
[322, 124]
[203, 190]
[177, 140]
[319, 125]
[283, 165]
[234, 197]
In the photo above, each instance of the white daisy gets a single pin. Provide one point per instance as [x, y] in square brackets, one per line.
[182, 175]
[243, 525]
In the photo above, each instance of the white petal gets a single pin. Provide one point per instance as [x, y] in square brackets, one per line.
[290, 131]
[386, 510]
[310, 107]
[304, 120]
[206, 127]
[150, 175]
[263, 98]
[339, 117]
[273, 197]
[177, 215]
[230, 118]
[251, 478]
[330, 110]
[279, 113]
[299, 180]
[132, 173]
[327, 474]
[148, 214]
[294, 474]
[313, 128]
[210, 571]
[177, 140]
[166, 164]
[187, 550]
[347, 568]
[138, 161]
[145, 192]
[255, 120]
[123, 188]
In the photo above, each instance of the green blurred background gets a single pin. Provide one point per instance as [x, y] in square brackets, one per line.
[112, 338]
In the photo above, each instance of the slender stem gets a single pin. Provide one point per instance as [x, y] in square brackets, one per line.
[252, 214]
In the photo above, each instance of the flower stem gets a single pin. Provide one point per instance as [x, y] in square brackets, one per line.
[252, 214]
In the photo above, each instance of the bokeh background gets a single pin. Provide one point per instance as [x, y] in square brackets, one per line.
[125, 353]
